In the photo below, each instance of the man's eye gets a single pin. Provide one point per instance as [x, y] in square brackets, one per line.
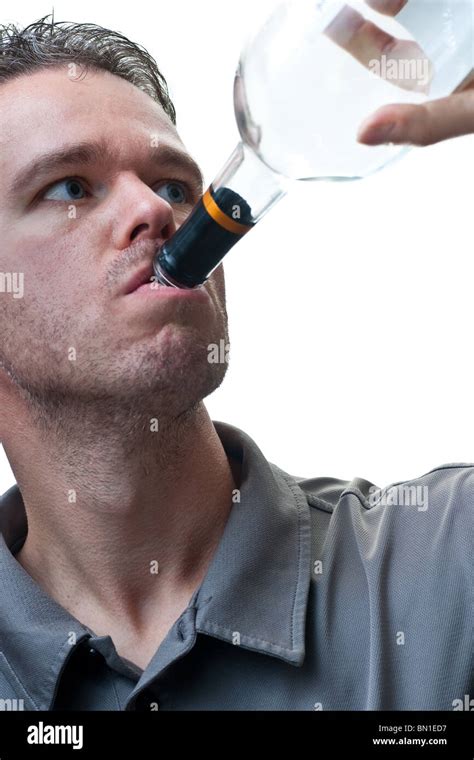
[71, 189]
[175, 192]
[65, 190]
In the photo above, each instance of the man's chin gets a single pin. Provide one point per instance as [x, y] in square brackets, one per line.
[179, 368]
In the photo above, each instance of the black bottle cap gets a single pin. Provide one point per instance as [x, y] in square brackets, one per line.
[217, 222]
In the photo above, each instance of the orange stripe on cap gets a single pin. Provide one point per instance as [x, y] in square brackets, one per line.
[222, 219]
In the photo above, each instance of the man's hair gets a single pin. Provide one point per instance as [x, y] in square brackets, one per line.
[50, 43]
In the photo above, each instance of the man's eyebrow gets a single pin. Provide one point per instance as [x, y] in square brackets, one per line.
[90, 153]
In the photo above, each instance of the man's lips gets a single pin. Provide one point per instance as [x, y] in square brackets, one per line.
[144, 283]
[143, 276]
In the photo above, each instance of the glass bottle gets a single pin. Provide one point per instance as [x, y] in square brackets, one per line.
[306, 80]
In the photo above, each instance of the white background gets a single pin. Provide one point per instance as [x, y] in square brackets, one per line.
[362, 364]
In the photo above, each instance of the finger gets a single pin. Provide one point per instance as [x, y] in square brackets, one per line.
[467, 83]
[388, 7]
[360, 37]
[420, 125]
[369, 45]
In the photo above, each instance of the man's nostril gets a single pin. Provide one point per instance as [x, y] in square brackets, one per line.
[137, 230]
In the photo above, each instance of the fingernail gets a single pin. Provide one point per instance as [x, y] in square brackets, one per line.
[380, 134]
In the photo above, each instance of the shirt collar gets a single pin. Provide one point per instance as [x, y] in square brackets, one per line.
[36, 634]
[254, 593]
[256, 587]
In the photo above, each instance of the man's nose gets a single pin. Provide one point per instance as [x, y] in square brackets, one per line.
[140, 213]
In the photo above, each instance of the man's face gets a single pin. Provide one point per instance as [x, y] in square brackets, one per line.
[79, 232]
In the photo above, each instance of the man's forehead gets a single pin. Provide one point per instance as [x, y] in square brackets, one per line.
[31, 103]
[45, 111]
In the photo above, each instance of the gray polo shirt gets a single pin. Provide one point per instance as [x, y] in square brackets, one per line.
[322, 594]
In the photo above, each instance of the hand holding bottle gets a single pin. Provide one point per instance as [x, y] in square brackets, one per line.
[414, 124]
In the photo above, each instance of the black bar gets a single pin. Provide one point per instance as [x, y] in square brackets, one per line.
[321, 734]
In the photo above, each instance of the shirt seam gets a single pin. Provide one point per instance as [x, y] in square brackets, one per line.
[109, 674]
[299, 579]
[216, 627]
[368, 506]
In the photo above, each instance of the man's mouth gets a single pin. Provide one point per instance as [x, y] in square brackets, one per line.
[145, 276]
[145, 283]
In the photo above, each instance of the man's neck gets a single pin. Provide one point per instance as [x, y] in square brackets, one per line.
[117, 533]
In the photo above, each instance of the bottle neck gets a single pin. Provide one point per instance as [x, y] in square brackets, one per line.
[247, 175]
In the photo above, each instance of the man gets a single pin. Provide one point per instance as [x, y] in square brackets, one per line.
[150, 558]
